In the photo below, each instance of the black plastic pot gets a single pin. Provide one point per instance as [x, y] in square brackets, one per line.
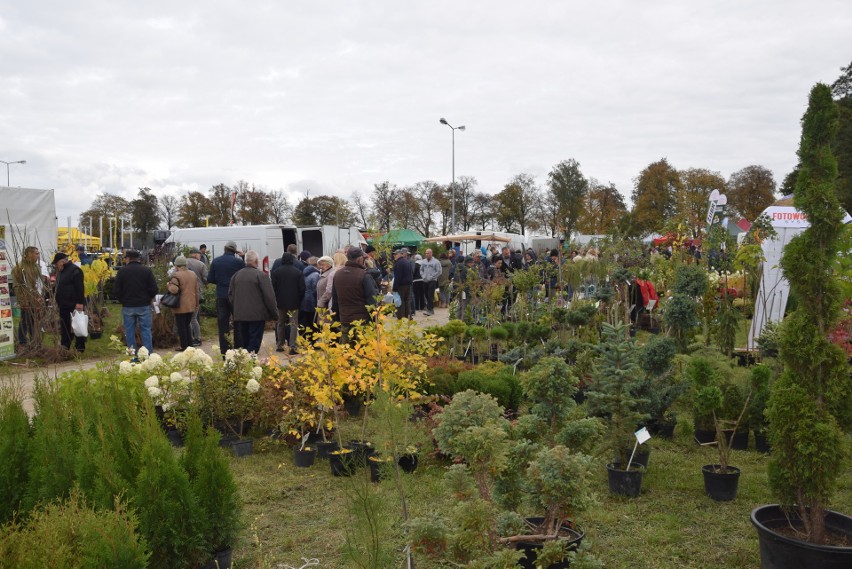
[705, 436]
[761, 443]
[304, 458]
[242, 447]
[624, 482]
[353, 404]
[722, 487]
[221, 560]
[740, 439]
[227, 441]
[375, 463]
[569, 536]
[362, 450]
[642, 456]
[781, 552]
[408, 462]
[175, 437]
[342, 462]
[324, 448]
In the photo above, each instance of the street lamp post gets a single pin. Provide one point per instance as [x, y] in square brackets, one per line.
[454, 129]
[7, 168]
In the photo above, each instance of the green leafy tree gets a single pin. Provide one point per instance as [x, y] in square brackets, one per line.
[654, 195]
[254, 206]
[323, 210]
[194, 210]
[750, 191]
[219, 200]
[604, 208]
[518, 201]
[569, 189]
[145, 212]
[810, 406]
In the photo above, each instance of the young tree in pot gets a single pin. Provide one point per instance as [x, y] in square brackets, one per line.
[810, 405]
[660, 385]
[760, 378]
[617, 379]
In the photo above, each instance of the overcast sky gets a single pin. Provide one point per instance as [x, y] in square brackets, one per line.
[333, 97]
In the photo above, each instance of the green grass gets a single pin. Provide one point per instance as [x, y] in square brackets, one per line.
[295, 512]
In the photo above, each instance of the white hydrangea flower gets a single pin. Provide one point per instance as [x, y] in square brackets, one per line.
[185, 382]
[142, 353]
[152, 381]
[252, 386]
[125, 368]
[257, 371]
[154, 391]
[166, 406]
[179, 359]
[175, 377]
[230, 354]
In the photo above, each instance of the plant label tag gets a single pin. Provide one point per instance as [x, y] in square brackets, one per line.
[642, 435]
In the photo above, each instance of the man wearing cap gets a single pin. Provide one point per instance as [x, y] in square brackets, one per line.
[253, 299]
[135, 287]
[353, 290]
[70, 297]
[222, 269]
[197, 266]
[403, 276]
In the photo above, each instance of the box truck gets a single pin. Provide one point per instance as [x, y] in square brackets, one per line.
[29, 217]
[269, 241]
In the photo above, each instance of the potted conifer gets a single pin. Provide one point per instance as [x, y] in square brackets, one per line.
[810, 404]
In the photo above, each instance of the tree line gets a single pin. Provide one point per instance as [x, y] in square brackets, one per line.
[565, 202]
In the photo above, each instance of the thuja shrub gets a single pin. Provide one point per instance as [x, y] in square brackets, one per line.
[14, 448]
[810, 405]
[73, 534]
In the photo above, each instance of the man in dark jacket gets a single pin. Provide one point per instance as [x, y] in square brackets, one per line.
[403, 277]
[288, 282]
[253, 301]
[221, 270]
[353, 291]
[135, 287]
[70, 297]
[308, 310]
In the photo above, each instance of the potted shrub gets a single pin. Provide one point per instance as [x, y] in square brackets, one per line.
[94, 277]
[810, 404]
[760, 378]
[721, 480]
[479, 338]
[660, 386]
[617, 378]
[700, 373]
[297, 413]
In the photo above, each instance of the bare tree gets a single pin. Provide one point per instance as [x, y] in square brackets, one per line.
[427, 194]
[385, 201]
[169, 210]
[362, 210]
[282, 211]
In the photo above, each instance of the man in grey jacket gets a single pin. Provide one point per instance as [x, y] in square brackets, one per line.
[253, 300]
[430, 271]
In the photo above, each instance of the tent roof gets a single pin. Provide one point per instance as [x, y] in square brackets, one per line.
[407, 237]
[469, 237]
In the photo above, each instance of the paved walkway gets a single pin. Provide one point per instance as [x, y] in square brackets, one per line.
[25, 376]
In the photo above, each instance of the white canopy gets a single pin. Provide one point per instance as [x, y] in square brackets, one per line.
[469, 237]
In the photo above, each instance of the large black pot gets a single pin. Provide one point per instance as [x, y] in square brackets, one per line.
[781, 552]
[722, 487]
[242, 447]
[303, 458]
[353, 404]
[624, 482]
[324, 448]
[642, 456]
[375, 462]
[569, 536]
[342, 462]
[221, 560]
[661, 427]
[704, 437]
[740, 439]
[761, 443]
[362, 450]
[408, 462]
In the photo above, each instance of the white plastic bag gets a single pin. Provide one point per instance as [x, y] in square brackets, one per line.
[80, 323]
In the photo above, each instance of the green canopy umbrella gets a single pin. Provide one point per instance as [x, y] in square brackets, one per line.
[398, 237]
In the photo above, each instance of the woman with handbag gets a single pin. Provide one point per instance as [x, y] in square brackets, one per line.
[183, 282]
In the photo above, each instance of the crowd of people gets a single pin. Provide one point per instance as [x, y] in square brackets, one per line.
[299, 290]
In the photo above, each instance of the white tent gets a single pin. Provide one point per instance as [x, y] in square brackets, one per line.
[774, 289]
[30, 219]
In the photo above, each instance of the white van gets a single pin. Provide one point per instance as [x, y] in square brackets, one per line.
[270, 241]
